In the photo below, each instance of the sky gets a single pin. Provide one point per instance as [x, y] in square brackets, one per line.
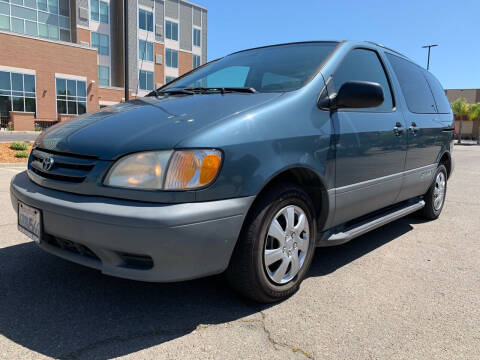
[403, 25]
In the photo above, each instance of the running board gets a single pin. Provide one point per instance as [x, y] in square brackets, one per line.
[374, 223]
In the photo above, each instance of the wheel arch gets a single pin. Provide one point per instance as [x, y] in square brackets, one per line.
[309, 180]
[445, 158]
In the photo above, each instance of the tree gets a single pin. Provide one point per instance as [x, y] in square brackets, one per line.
[474, 113]
[460, 107]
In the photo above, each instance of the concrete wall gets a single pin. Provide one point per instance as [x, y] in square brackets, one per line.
[159, 20]
[470, 129]
[204, 36]
[132, 44]
[186, 27]
[81, 20]
[472, 95]
[171, 9]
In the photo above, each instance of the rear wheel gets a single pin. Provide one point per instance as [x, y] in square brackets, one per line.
[435, 196]
[276, 245]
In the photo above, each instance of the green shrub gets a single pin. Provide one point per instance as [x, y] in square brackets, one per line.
[21, 154]
[10, 127]
[38, 128]
[19, 146]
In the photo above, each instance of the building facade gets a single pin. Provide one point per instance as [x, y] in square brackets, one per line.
[62, 58]
[471, 95]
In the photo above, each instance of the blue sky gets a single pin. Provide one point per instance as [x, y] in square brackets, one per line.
[403, 25]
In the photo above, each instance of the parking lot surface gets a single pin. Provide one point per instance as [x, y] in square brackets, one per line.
[409, 290]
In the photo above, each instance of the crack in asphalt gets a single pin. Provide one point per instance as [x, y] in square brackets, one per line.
[275, 343]
[77, 354]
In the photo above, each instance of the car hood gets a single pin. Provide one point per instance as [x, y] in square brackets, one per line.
[145, 124]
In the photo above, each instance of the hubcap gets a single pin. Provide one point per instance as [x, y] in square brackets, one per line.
[439, 191]
[286, 244]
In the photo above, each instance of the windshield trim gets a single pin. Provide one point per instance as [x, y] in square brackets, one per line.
[314, 74]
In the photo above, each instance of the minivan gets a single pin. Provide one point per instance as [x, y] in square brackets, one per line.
[243, 166]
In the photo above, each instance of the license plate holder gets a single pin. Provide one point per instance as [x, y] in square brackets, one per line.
[30, 222]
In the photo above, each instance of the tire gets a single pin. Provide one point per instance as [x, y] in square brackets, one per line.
[248, 272]
[435, 196]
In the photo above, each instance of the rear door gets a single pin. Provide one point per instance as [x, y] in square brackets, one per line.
[424, 124]
[370, 142]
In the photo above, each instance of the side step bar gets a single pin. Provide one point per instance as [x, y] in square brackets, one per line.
[374, 222]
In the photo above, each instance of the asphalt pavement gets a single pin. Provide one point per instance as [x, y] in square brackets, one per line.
[409, 290]
[7, 136]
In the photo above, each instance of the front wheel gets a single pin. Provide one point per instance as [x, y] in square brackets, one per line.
[276, 245]
[435, 196]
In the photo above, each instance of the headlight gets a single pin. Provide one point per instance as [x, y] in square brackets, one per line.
[145, 170]
[187, 169]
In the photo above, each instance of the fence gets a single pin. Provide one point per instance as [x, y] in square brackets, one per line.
[4, 120]
[41, 125]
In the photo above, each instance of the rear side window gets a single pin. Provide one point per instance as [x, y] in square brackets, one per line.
[443, 106]
[414, 86]
[364, 65]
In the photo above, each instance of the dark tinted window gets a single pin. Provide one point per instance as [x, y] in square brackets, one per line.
[364, 65]
[414, 86]
[443, 106]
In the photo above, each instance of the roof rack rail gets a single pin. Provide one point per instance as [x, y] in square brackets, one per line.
[386, 48]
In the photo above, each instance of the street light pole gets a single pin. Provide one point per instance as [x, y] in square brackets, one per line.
[125, 46]
[428, 59]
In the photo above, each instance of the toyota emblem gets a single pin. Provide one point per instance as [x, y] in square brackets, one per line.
[47, 163]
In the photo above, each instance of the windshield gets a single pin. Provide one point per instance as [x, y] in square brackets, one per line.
[270, 69]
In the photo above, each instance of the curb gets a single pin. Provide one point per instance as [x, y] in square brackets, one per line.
[14, 165]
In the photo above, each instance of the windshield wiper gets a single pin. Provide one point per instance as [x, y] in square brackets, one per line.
[156, 93]
[202, 90]
[223, 90]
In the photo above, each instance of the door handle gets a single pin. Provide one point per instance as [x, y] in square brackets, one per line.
[398, 129]
[413, 128]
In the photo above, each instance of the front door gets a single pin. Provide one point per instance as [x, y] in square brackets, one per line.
[370, 143]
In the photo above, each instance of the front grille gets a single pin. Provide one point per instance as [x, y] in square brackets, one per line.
[71, 247]
[65, 167]
[127, 260]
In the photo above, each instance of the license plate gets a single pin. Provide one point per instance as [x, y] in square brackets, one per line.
[29, 221]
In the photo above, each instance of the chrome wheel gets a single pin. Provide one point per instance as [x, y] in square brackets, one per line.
[286, 244]
[439, 191]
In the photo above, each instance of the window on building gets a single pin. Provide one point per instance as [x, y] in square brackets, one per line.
[197, 33]
[71, 96]
[103, 75]
[169, 79]
[17, 92]
[145, 50]
[49, 19]
[171, 58]
[197, 61]
[145, 80]
[171, 30]
[101, 42]
[145, 20]
[414, 86]
[364, 65]
[99, 11]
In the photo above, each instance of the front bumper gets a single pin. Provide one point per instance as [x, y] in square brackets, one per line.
[136, 240]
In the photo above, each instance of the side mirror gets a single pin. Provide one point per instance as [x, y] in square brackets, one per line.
[358, 94]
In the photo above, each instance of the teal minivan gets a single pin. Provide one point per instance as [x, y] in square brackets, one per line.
[243, 166]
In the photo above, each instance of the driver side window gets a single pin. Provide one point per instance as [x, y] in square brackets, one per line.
[363, 65]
